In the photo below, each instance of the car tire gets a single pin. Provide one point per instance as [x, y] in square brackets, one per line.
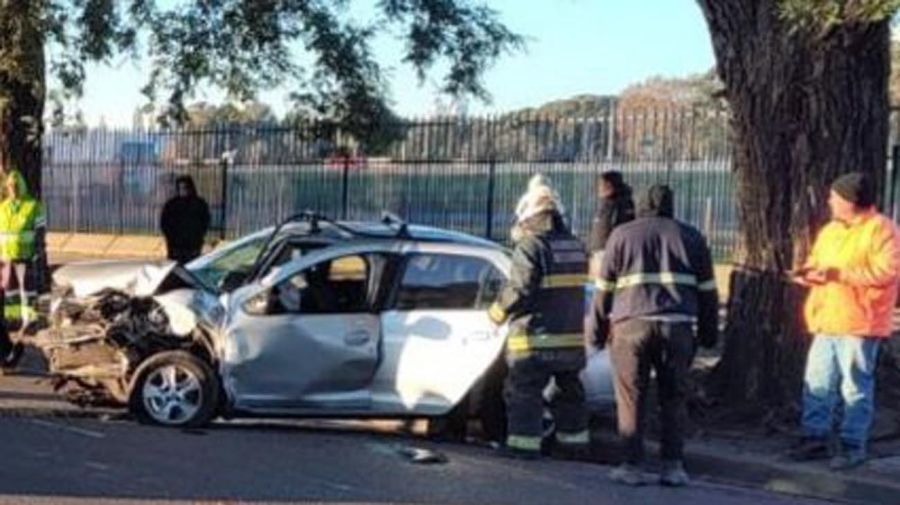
[175, 389]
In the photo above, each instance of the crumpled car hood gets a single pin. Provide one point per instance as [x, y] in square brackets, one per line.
[135, 277]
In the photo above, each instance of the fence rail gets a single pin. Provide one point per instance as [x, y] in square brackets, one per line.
[465, 174]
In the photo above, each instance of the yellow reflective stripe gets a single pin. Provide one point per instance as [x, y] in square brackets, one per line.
[523, 442]
[564, 280]
[26, 236]
[15, 311]
[580, 437]
[496, 313]
[656, 278]
[709, 285]
[605, 285]
[520, 343]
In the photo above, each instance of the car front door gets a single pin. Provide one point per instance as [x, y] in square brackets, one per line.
[437, 339]
[308, 342]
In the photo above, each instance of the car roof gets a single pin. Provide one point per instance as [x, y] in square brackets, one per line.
[351, 231]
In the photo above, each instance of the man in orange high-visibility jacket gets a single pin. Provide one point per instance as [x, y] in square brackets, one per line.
[852, 272]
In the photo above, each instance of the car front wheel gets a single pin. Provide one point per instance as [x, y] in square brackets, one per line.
[174, 388]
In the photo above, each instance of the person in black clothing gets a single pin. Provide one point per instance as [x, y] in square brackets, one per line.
[10, 352]
[542, 302]
[615, 207]
[184, 221]
[656, 283]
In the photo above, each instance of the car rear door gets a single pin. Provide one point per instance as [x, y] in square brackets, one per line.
[308, 342]
[437, 339]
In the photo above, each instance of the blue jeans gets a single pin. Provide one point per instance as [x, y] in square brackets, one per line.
[840, 370]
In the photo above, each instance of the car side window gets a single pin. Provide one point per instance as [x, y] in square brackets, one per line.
[336, 286]
[444, 281]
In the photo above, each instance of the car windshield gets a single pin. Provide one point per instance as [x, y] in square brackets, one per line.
[238, 256]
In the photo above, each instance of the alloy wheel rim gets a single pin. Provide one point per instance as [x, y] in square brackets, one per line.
[172, 394]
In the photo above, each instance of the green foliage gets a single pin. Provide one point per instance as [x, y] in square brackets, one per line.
[243, 46]
[202, 115]
[820, 16]
[577, 107]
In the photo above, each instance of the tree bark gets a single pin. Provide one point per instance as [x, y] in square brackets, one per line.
[806, 108]
[22, 90]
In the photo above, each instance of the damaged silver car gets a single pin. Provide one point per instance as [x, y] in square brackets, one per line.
[313, 317]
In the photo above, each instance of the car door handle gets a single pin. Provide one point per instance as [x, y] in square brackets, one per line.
[480, 335]
[357, 338]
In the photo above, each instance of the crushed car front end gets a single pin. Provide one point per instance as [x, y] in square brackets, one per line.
[107, 318]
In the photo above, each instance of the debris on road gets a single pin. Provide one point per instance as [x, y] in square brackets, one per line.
[422, 456]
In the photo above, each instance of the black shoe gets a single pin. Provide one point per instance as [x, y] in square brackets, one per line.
[673, 474]
[12, 359]
[629, 475]
[571, 452]
[809, 449]
[847, 461]
[850, 456]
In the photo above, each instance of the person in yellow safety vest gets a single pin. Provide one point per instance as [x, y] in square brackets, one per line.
[542, 302]
[21, 216]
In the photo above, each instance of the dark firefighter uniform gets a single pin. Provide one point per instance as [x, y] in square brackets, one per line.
[543, 301]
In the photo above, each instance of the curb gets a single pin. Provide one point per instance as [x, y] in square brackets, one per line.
[799, 479]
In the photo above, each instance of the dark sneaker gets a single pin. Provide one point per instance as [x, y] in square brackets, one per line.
[673, 474]
[12, 359]
[809, 449]
[846, 462]
[850, 457]
[628, 474]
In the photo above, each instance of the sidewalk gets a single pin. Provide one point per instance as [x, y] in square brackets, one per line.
[757, 459]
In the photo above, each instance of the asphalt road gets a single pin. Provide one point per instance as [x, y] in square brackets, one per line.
[58, 460]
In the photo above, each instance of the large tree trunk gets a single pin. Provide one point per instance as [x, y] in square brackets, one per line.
[806, 108]
[22, 89]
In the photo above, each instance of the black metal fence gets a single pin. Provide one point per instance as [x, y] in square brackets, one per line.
[460, 173]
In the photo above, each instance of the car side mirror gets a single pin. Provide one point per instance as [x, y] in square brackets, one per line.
[232, 280]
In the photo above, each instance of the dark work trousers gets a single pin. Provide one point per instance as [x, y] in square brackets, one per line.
[637, 347]
[6, 344]
[529, 374]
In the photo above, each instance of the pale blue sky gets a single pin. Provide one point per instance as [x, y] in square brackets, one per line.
[575, 47]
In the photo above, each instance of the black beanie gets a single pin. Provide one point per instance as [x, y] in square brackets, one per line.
[657, 201]
[855, 187]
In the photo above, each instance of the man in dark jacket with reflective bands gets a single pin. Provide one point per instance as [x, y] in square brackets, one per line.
[656, 283]
[543, 302]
